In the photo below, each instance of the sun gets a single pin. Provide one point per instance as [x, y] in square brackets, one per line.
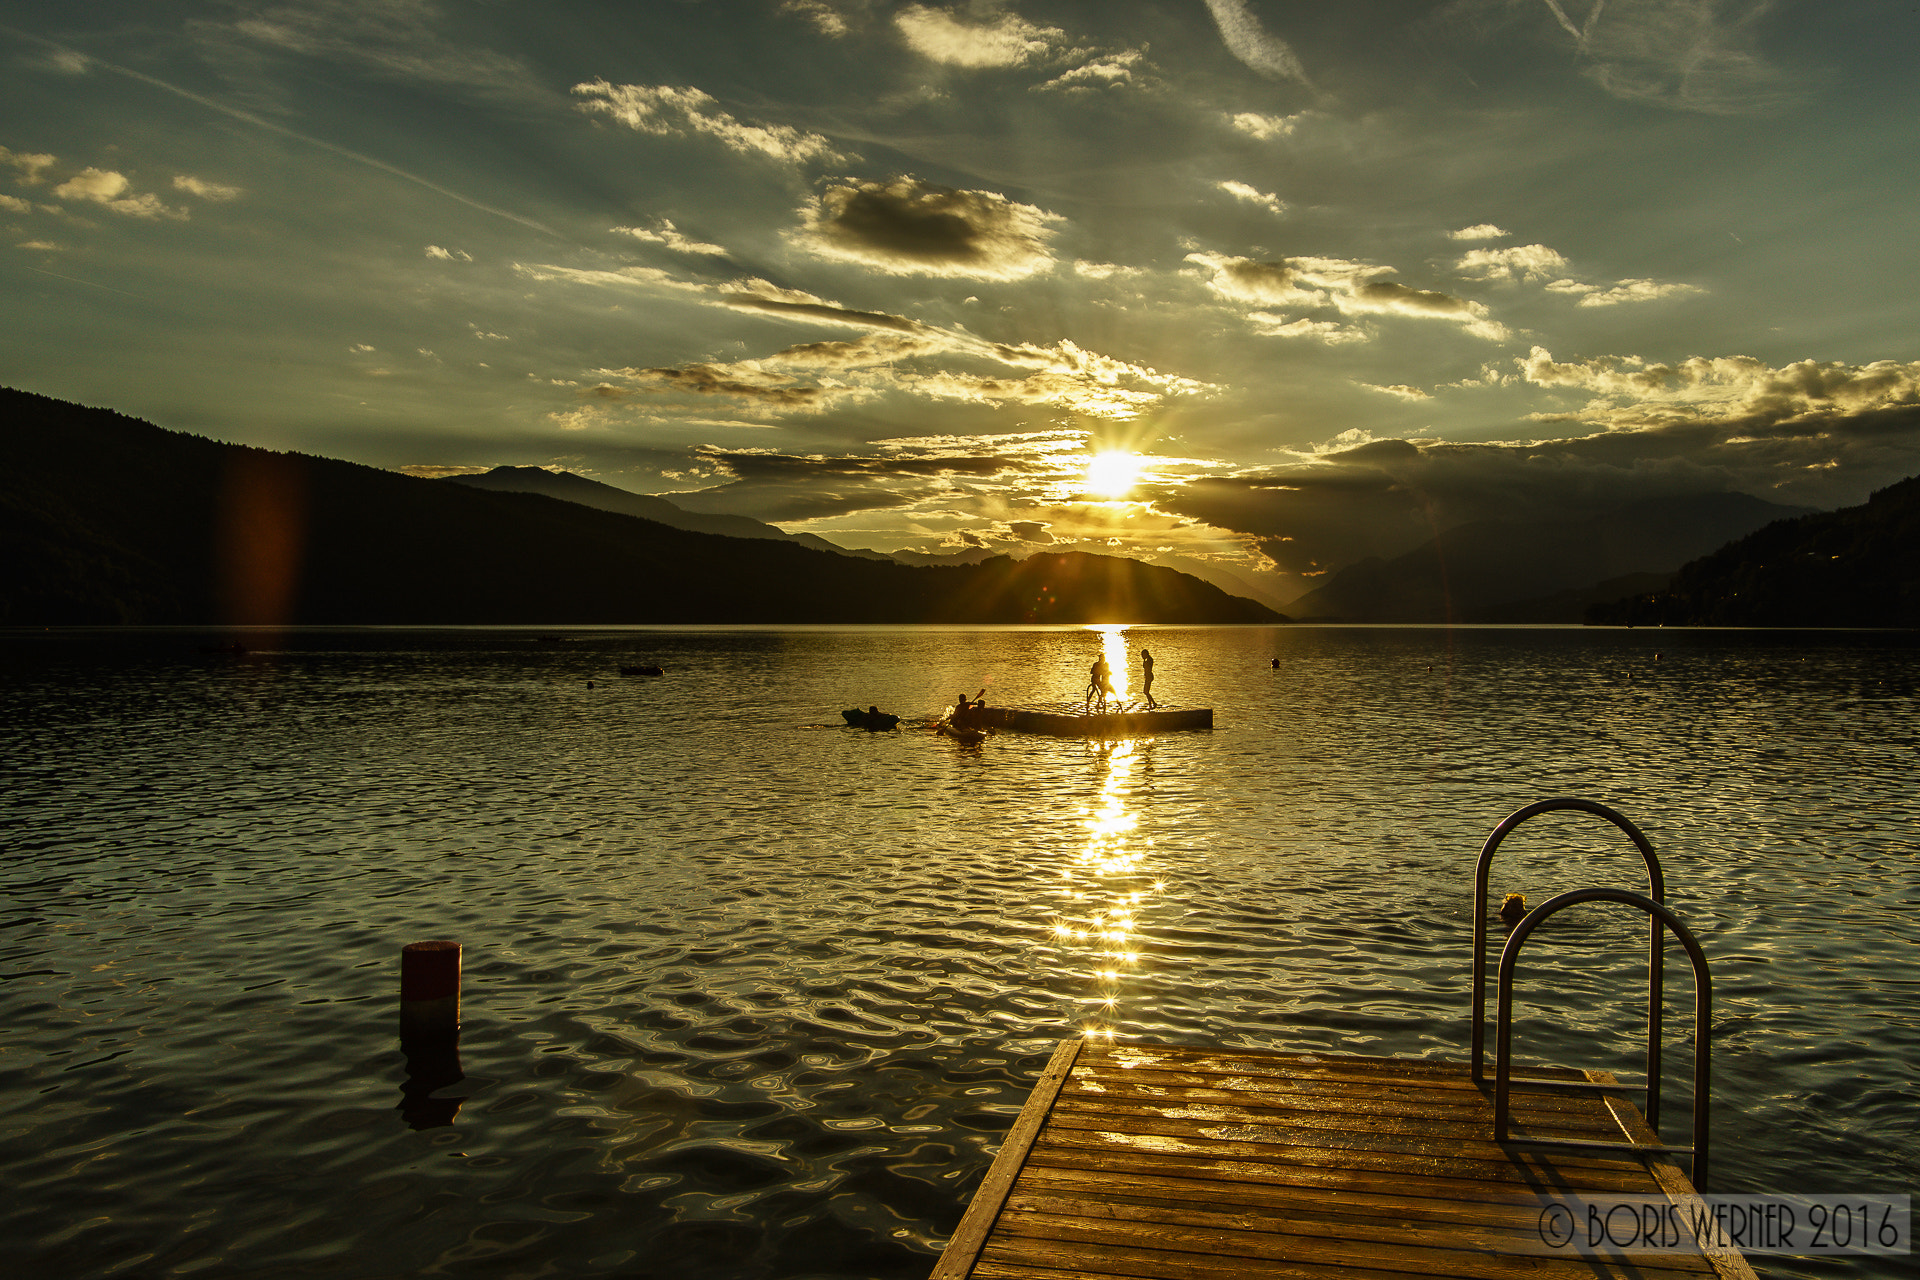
[1112, 473]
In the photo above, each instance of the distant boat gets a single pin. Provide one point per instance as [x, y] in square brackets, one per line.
[875, 720]
[643, 671]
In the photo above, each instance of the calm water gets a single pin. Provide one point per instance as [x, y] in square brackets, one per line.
[749, 994]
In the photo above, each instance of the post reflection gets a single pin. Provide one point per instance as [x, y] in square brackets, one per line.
[1103, 889]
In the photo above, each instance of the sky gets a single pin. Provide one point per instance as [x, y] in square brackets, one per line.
[1273, 284]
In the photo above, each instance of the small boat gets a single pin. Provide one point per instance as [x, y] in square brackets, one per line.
[969, 736]
[643, 671]
[874, 720]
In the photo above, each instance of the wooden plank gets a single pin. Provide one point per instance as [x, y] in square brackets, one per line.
[1333, 1093]
[1328, 1181]
[1207, 1252]
[1289, 1061]
[1729, 1262]
[1391, 1202]
[1505, 1250]
[957, 1259]
[1464, 1125]
[1310, 1067]
[1463, 1146]
[1622, 1173]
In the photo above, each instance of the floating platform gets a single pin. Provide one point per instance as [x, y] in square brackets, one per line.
[1203, 1164]
[1092, 724]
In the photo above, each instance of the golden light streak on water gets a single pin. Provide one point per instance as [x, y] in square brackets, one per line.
[1113, 647]
[1104, 891]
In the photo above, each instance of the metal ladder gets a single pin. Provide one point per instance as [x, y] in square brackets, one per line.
[1659, 919]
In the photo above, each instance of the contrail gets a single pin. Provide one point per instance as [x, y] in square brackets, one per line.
[1248, 41]
[262, 123]
[77, 280]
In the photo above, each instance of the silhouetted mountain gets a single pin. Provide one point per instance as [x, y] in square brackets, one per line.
[1855, 567]
[568, 487]
[108, 519]
[1544, 571]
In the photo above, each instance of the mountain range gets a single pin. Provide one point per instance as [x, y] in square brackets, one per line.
[1855, 567]
[106, 519]
[1537, 571]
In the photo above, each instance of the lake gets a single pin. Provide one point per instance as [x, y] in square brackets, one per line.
[749, 993]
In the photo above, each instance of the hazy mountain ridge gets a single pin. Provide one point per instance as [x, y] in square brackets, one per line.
[1855, 567]
[569, 487]
[109, 519]
[1536, 571]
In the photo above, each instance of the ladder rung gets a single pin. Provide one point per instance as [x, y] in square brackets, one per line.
[1547, 1082]
[1591, 1144]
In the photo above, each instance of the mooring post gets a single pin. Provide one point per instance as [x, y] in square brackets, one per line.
[430, 990]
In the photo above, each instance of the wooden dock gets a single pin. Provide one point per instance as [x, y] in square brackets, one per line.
[1091, 724]
[1203, 1164]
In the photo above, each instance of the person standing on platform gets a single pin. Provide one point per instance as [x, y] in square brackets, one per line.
[1100, 683]
[1146, 677]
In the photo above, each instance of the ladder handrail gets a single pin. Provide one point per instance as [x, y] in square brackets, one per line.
[1656, 890]
[1702, 1013]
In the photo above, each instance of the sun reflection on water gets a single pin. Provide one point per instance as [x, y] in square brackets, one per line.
[1104, 889]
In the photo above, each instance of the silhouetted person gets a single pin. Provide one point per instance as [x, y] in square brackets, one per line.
[1146, 677]
[1100, 682]
[1276, 664]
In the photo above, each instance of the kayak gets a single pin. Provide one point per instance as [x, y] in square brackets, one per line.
[863, 720]
[969, 736]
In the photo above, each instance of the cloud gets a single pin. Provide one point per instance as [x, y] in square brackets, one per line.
[625, 277]
[909, 227]
[1268, 325]
[1635, 395]
[1108, 71]
[667, 111]
[758, 295]
[1265, 128]
[1527, 260]
[14, 204]
[1252, 195]
[1691, 55]
[448, 255]
[821, 15]
[435, 470]
[704, 379]
[46, 246]
[1351, 288]
[1249, 42]
[1244, 280]
[107, 188]
[1007, 41]
[205, 190]
[1625, 291]
[402, 40]
[30, 165]
[1399, 390]
[1029, 531]
[666, 234]
[1479, 231]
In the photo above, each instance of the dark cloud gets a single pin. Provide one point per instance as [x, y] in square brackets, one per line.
[911, 227]
[822, 311]
[1029, 531]
[1388, 496]
[1399, 297]
[706, 380]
